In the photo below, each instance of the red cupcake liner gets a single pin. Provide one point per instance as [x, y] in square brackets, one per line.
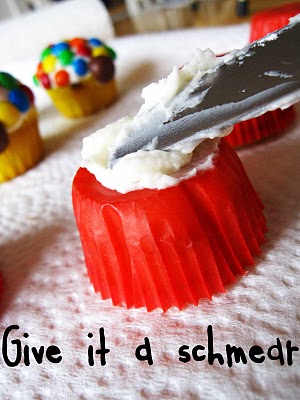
[273, 122]
[270, 20]
[170, 247]
[255, 129]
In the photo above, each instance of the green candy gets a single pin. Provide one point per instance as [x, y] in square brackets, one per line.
[111, 52]
[45, 52]
[66, 57]
[8, 81]
[35, 80]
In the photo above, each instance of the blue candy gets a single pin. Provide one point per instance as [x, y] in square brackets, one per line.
[80, 66]
[59, 47]
[19, 98]
[95, 42]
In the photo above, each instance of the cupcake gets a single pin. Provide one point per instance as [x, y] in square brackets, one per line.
[273, 122]
[165, 228]
[270, 20]
[20, 142]
[78, 75]
[262, 127]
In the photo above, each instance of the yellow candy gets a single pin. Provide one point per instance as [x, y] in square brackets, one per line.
[9, 114]
[49, 63]
[99, 51]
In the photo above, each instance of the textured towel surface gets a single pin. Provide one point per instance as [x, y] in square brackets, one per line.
[48, 294]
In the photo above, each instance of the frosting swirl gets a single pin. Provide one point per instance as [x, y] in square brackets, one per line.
[153, 169]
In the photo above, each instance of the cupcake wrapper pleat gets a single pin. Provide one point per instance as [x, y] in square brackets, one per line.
[255, 129]
[271, 19]
[89, 97]
[170, 247]
[25, 148]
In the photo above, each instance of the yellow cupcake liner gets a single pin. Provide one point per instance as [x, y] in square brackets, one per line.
[25, 149]
[83, 99]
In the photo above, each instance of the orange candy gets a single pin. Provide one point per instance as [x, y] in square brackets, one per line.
[40, 70]
[77, 42]
[62, 78]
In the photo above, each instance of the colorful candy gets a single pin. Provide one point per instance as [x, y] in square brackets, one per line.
[62, 78]
[40, 70]
[77, 42]
[111, 52]
[74, 58]
[15, 98]
[66, 57]
[58, 48]
[28, 93]
[36, 80]
[99, 51]
[19, 98]
[8, 81]
[102, 68]
[46, 52]
[95, 42]
[44, 78]
[48, 63]
[80, 66]
[84, 51]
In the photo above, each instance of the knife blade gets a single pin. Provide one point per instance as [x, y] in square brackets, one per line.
[262, 76]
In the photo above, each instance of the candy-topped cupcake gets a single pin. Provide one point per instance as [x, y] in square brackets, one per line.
[20, 142]
[78, 75]
[273, 122]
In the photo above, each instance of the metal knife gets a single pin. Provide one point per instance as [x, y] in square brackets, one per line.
[262, 76]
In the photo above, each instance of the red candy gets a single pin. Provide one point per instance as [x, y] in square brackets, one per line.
[84, 51]
[44, 78]
[77, 42]
[28, 93]
[62, 78]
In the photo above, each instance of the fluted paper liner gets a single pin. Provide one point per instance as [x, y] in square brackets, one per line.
[277, 121]
[25, 148]
[271, 19]
[255, 129]
[170, 247]
[83, 99]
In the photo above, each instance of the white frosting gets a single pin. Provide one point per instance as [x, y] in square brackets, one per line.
[153, 169]
[73, 77]
[295, 19]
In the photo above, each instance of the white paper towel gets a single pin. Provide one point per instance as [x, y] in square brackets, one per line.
[27, 35]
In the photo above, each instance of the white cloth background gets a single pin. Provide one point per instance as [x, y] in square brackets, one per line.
[29, 34]
[47, 290]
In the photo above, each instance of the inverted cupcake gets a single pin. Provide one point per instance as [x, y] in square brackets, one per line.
[165, 228]
[78, 75]
[271, 19]
[276, 121]
[20, 142]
